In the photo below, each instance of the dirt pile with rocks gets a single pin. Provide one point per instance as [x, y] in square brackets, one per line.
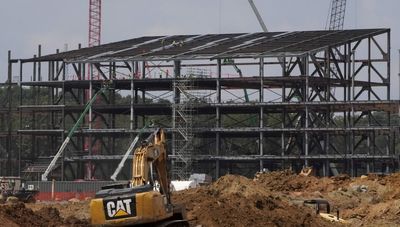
[239, 201]
[277, 199]
[17, 214]
[270, 199]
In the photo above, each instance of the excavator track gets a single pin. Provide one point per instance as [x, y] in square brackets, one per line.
[167, 223]
[173, 223]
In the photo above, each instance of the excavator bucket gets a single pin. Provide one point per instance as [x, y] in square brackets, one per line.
[306, 171]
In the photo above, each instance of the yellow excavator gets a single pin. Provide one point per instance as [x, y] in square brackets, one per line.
[139, 202]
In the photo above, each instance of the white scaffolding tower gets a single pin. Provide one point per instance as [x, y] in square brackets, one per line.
[183, 130]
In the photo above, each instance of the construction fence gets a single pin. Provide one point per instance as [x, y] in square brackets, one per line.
[65, 190]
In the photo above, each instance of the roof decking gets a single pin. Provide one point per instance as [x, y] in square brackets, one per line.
[212, 46]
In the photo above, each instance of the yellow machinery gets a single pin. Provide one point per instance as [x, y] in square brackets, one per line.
[137, 203]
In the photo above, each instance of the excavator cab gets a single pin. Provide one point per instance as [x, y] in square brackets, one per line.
[136, 202]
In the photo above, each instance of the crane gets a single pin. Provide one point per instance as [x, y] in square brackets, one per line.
[127, 153]
[259, 18]
[71, 133]
[94, 23]
[94, 38]
[337, 13]
[230, 61]
[336, 22]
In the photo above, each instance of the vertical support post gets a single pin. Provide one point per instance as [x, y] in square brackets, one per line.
[19, 149]
[399, 80]
[306, 58]
[89, 164]
[52, 188]
[283, 114]
[39, 63]
[50, 100]
[9, 125]
[33, 137]
[261, 135]
[36, 144]
[90, 94]
[369, 99]
[176, 97]
[329, 114]
[144, 69]
[347, 97]
[218, 118]
[132, 97]
[353, 74]
[64, 72]
[388, 68]
[20, 111]
[143, 92]
[394, 150]
[136, 98]
[388, 95]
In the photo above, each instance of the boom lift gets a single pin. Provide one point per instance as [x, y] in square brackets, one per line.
[72, 132]
[136, 202]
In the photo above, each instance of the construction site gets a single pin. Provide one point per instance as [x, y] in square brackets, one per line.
[282, 122]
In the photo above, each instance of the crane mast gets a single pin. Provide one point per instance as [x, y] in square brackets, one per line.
[338, 10]
[336, 22]
[94, 22]
[94, 38]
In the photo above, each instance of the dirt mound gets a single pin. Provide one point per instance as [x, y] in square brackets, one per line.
[288, 181]
[276, 199]
[239, 201]
[270, 199]
[370, 200]
[68, 210]
[19, 215]
[235, 184]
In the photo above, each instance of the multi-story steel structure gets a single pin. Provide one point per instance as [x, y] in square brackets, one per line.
[231, 103]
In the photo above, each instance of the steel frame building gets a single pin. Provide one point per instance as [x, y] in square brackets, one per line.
[297, 110]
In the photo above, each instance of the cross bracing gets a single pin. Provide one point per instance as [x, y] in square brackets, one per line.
[292, 118]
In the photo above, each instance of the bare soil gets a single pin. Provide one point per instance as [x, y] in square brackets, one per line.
[18, 214]
[270, 199]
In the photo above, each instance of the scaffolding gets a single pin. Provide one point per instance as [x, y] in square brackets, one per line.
[183, 110]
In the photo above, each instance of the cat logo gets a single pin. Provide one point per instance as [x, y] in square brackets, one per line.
[119, 208]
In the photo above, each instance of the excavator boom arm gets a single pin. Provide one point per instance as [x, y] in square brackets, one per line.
[137, 203]
[151, 154]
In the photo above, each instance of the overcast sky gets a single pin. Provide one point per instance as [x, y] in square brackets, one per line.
[26, 23]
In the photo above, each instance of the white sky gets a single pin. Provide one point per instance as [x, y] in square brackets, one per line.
[26, 23]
